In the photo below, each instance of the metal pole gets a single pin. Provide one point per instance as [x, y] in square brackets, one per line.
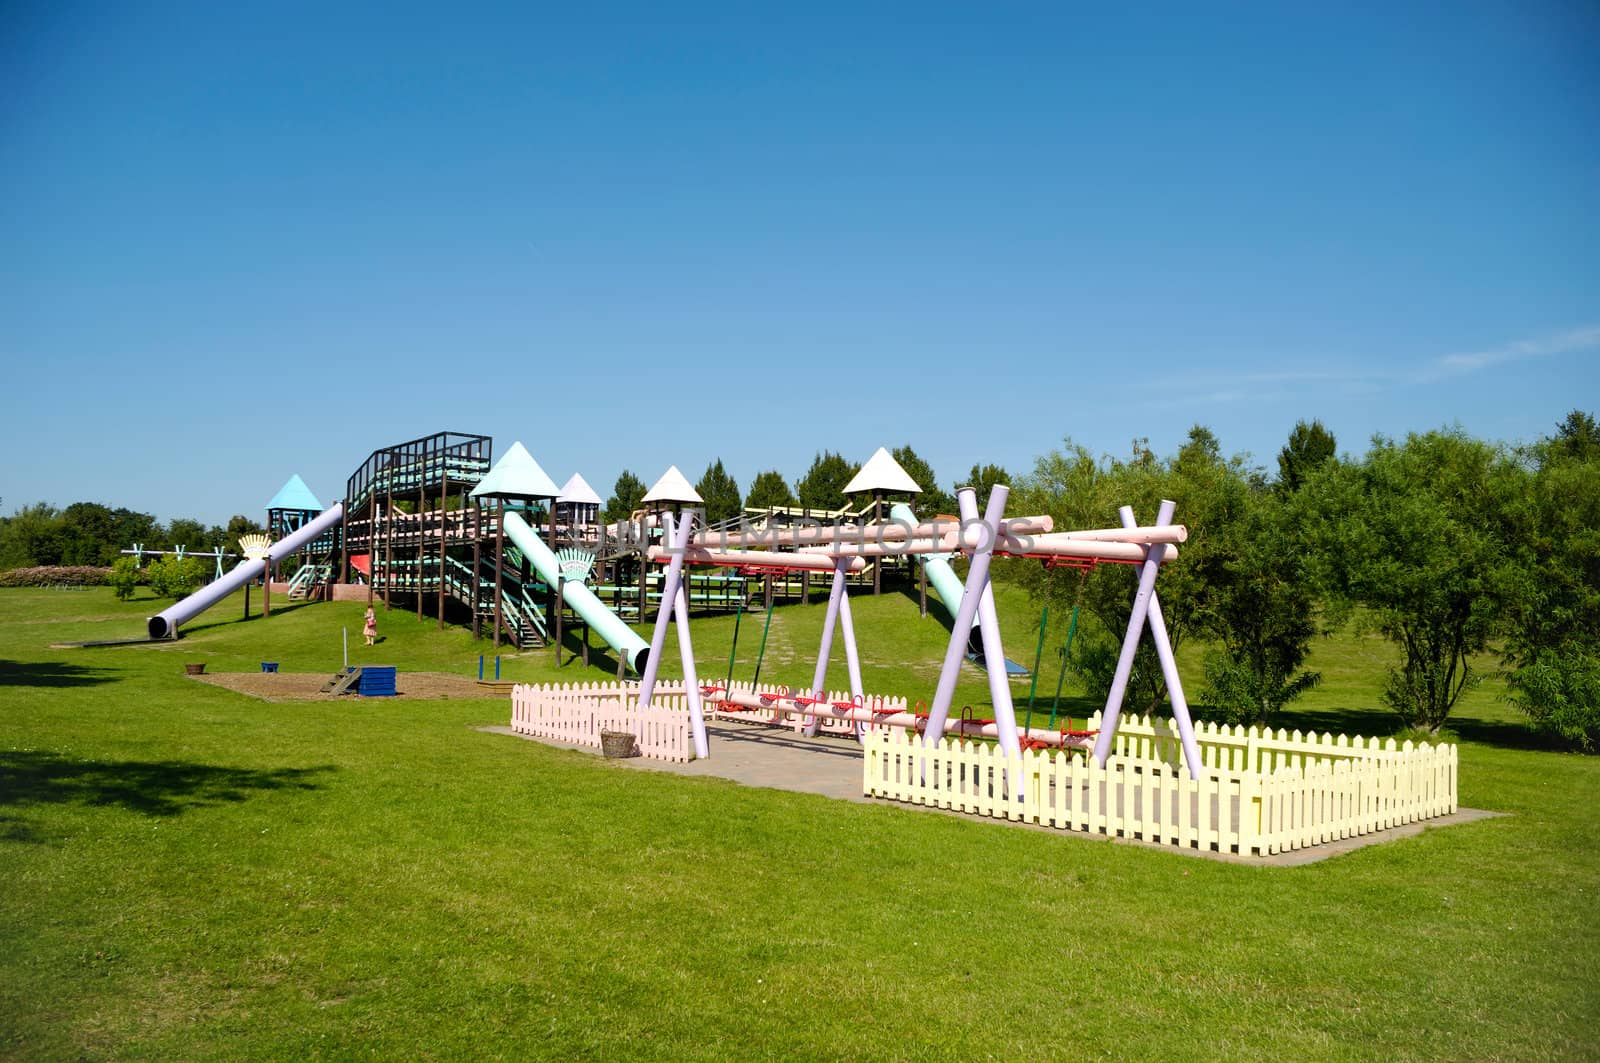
[1130, 645]
[677, 541]
[852, 659]
[560, 583]
[766, 628]
[499, 568]
[691, 681]
[1169, 663]
[994, 655]
[820, 675]
[734, 649]
[1038, 655]
[1066, 656]
[977, 579]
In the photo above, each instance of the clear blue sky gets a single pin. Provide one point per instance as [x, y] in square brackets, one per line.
[242, 241]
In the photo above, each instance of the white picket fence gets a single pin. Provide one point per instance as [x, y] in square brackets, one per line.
[577, 713]
[1258, 793]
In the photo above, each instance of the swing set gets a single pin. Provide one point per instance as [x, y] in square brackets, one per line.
[1084, 568]
[843, 550]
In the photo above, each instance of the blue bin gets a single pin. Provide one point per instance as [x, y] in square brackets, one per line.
[377, 681]
[269, 666]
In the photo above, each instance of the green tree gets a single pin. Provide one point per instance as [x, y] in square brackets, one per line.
[1577, 438]
[240, 525]
[1310, 447]
[1080, 492]
[720, 493]
[88, 535]
[174, 577]
[626, 495]
[124, 577]
[983, 478]
[1553, 588]
[34, 535]
[822, 487]
[769, 489]
[1257, 602]
[1412, 533]
[187, 533]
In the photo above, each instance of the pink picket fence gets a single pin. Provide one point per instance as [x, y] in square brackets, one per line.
[577, 713]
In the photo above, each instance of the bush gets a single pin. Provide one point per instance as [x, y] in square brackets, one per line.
[174, 577]
[124, 577]
[1252, 692]
[1095, 661]
[1560, 693]
[44, 575]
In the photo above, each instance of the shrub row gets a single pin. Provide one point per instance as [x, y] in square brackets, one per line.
[40, 575]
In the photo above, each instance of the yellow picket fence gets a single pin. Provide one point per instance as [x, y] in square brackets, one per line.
[1259, 792]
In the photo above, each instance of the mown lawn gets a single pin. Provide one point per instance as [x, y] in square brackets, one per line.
[186, 872]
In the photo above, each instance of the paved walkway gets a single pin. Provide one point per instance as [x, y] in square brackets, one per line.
[759, 755]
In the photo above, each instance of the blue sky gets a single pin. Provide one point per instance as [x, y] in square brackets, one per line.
[242, 242]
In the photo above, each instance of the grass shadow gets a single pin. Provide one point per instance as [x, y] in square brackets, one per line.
[1381, 723]
[1507, 734]
[255, 615]
[601, 655]
[156, 788]
[51, 674]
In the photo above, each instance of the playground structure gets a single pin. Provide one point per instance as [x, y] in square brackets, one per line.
[432, 523]
[839, 551]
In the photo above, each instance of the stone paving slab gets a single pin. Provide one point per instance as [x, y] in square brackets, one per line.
[780, 759]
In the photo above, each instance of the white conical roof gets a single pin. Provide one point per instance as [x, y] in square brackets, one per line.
[578, 490]
[516, 475]
[672, 487]
[882, 473]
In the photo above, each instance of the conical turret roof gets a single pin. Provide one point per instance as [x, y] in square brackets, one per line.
[882, 473]
[516, 475]
[578, 491]
[295, 495]
[672, 487]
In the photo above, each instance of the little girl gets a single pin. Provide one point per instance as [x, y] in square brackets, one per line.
[371, 629]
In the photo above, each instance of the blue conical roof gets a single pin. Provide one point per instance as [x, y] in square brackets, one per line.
[294, 494]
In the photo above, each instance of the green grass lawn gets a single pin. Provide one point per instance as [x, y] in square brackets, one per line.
[187, 872]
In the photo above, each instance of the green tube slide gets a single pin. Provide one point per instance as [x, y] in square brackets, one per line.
[603, 621]
[946, 584]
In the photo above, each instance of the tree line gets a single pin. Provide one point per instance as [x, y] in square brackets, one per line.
[822, 487]
[88, 533]
[1450, 547]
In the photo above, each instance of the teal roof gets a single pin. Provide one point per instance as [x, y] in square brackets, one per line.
[516, 475]
[294, 494]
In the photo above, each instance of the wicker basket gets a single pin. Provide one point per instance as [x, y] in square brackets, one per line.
[194, 669]
[618, 744]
